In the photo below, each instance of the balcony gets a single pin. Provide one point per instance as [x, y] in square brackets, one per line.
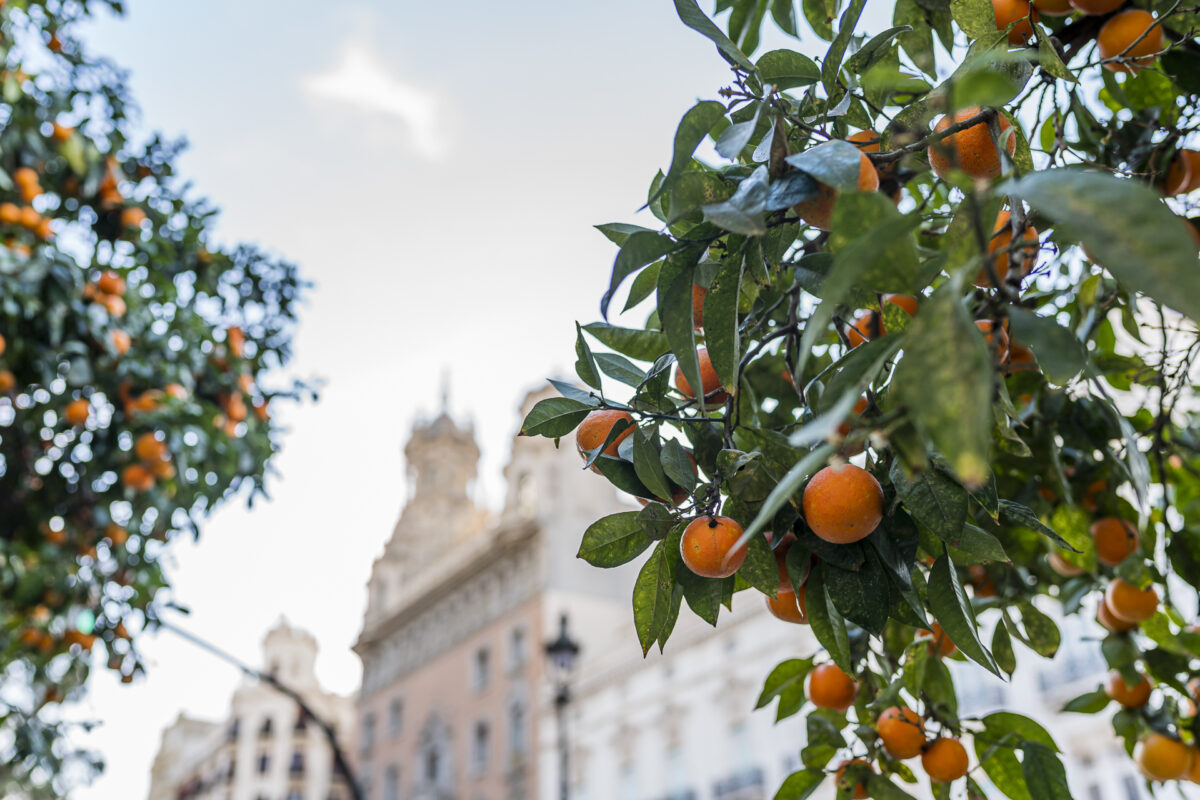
[745, 784]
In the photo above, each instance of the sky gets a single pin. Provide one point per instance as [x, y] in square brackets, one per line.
[436, 170]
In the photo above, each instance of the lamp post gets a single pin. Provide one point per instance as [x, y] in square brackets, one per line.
[562, 654]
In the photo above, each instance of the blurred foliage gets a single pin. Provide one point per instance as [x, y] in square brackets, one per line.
[134, 366]
[841, 322]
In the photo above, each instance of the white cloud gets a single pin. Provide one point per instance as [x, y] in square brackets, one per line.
[361, 81]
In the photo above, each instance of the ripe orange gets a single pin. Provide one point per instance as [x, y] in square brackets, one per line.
[1063, 567]
[866, 326]
[1115, 540]
[843, 504]
[150, 447]
[262, 414]
[132, 217]
[113, 304]
[30, 218]
[829, 687]
[1161, 758]
[77, 412]
[3, 344]
[163, 469]
[137, 478]
[904, 301]
[866, 141]
[111, 282]
[8, 381]
[1183, 174]
[235, 409]
[900, 731]
[789, 606]
[939, 642]
[859, 791]
[62, 132]
[1089, 497]
[1193, 773]
[1096, 7]
[1134, 696]
[120, 341]
[980, 582]
[176, 391]
[699, 293]
[1053, 8]
[714, 394]
[44, 230]
[595, 428]
[945, 760]
[1025, 253]
[1129, 603]
[971, 150]
[818, 211]
[860, 406]
[707, 547]
[998, 345]
[1019, 11]
[1110, 621]
[236, 341]
[1118, 35]
[116, 534]
[10, 213]
[26, 176]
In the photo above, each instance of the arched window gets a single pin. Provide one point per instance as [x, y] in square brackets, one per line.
[516, 729]
[266, 729]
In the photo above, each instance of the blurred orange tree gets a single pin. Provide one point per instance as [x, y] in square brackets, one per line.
[133, 353]
[919, 368]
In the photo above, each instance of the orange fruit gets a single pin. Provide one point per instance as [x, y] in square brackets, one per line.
[860, 406]
[714, 393]
[176, 391]
[3, 344]
[1019, 11]
[972, 149]
[163, 469]
[699, 293]
[1053, 8]
[120, 341]
[1025, 253]
[1161, 758]
[866, 141]
[595, 428]
[116, 534]
[132, 217]
[866, 326]
[1115, 540]
[150, 447]
[62, 132]
[114, 305]
[858, 792]
[1110, 621]
[829, 687]
[1193, 773]
[77, 412]
[818, 211]
[939, 642]
[111, 282]
[843, 504]
[138, 478]
[26, 176]
[8, 381]
[1183, 174]
[235, 339]
[1096, 7]
[945, 760]
[1063, 567]
[1118, 35]
[998, 345]
[262, 414]
[708, 547]
[1129, 603]
[904, 301]
[1089, 497]
[980, 582]
[30, 218]
[900, 731]
[44, 230]
[1134, 696]
[235, 409]
[10, 213]
[789, 606]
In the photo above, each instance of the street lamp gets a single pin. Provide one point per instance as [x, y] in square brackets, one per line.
[562, 654]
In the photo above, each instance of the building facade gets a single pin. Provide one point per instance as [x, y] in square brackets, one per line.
[266, 748]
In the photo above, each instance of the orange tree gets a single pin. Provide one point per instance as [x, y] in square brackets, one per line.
[917, 367]
[132, 352]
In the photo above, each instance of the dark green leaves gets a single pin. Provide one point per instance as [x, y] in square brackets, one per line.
[1043, 769]
[694, 18]
[933, 499]
[835, 164]
[977, 18]
[786, 69]
[721, 321]
[833, 56]
[1088, 703]
[951, 608]
[825, 620]
[1149, 250]
[945, 381]
[868, 228]
[554, 417]
[745, 211]
[639, 250]
[1060, 355]
[1011, 511]
[639, 344]
[653, 592]
[859, 594]
[614, 540]
[800, 785]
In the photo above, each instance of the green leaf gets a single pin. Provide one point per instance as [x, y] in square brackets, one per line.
[1002, 649]
[819, 14]
[693, 189]
[835, 164]
[694, 18]
[1060, 355]
[1043, 769]
[1014, 512]
[881, 788]
[614, 540]
[786, 675]
[652, 595]
[933, 499]
[1005, 722]
[643, 345]
[618, 232]
[787, 69]
[1040, 631]
[734, 139]
[1049, 59]
[784, 14]
[800, 785]
[1088, 703]
[945, 357]
[1150, 251]
[554, 417]
[826, 623]
[648, 465]
[1001, 766]
[585, 364]
[866, 226]
[695, 125]
[721, 321]
[619, 368]
[833, 56]
[979, 543]
[857, 594]
[745, 211]
[760, 569]
[704, 595]
[977, 18]
[949, 605]
[639, 250]
[678, 465]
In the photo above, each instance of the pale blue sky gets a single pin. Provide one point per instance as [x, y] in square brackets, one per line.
[436, 169]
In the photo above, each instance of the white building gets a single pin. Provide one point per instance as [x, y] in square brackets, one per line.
[265, 748]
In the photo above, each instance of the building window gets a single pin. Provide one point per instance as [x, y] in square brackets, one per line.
[264, 763]
[294, 794]
[266, 729]
[432, 766]
[741, 747]
[301, 723]
[480, 748]
[481, 671]
[368, 732]
[518, 648]
[391, 783]
[395, 718]
[297, 765]
[516, 729]
[234, 726]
